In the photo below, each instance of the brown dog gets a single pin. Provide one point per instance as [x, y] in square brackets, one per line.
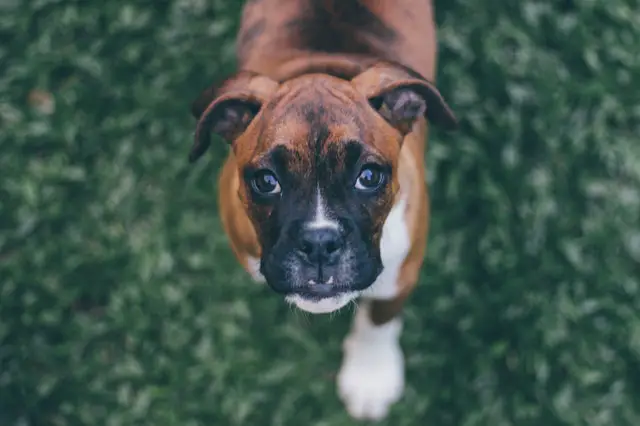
[323, 194]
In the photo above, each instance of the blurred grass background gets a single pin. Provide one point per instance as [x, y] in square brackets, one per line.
[121, 303]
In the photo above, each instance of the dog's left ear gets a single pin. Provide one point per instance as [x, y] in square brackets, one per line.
[229, 108]
[401, 96]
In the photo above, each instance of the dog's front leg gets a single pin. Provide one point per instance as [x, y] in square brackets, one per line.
[371, 378]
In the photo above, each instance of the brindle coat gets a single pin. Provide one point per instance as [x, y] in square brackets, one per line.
[319, 83]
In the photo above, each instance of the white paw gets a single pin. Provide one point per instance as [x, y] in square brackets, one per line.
[371, 378]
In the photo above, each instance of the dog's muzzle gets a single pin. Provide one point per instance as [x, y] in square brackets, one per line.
[319, 252]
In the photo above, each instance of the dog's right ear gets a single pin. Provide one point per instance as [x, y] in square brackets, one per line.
[204, 99]
[229, 108]
[401, 96]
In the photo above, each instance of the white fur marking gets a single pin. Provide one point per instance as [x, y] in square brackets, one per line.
[321, 220]
[394, 247]
[253, 265]
[323, 306]
[371, 377]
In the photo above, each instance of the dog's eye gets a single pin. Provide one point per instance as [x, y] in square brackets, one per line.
[265, 182]
[370, 178]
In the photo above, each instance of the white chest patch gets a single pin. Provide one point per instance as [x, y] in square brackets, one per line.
[394, 247]
[371, 378]
[253, 267]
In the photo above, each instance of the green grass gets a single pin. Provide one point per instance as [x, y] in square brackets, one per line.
[121, 303]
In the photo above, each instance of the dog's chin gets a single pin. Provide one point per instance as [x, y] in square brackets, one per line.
[322, 305]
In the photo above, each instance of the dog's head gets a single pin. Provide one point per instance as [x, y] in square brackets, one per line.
[317, 157]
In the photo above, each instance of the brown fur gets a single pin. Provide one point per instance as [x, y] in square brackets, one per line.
[285, 46]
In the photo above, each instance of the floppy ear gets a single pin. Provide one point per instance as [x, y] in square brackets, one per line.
[401, 96]
[229, 109]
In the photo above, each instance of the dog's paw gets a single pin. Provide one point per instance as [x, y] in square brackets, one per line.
[371, 378]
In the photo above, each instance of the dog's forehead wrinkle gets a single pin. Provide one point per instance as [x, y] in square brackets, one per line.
[318, 134]
[317, 80]
[321, 91]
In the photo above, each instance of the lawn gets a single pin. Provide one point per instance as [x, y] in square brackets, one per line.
[120, 300]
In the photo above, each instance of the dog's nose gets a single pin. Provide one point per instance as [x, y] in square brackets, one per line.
[321, 245]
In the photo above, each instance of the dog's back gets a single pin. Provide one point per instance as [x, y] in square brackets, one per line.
[280, 38]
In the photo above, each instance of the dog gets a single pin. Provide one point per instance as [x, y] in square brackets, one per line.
[323, 192]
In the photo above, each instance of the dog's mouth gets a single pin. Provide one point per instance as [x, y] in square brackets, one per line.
[321, 298]
[313, 288]
[314, 291]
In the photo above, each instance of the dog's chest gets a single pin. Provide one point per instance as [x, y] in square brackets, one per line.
[395, 244]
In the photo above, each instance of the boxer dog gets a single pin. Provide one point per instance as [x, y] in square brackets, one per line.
[323, 192]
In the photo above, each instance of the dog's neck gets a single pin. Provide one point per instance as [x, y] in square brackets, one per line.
[336, 37]
[297, 63]
[337, 65]
[284, 39]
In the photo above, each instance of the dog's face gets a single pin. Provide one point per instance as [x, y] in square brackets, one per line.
[317, 157]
